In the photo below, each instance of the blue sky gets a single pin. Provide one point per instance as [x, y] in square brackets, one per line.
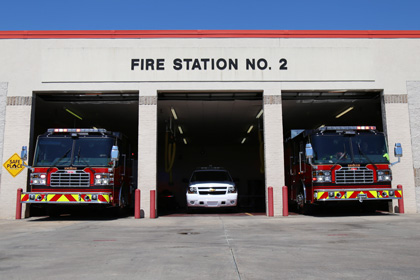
[210, 15]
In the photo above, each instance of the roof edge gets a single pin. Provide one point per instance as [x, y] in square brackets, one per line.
[140, 34]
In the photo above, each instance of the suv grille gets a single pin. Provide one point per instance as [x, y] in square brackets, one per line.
[359, 176]
[212, 191]
[76, 178]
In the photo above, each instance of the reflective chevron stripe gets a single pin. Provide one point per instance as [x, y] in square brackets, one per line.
[351, 194]
[95, 198]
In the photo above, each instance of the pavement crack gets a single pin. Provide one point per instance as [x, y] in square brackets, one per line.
[231, 249]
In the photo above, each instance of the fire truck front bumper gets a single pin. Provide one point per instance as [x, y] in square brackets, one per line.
[357, 194]
[66, 198]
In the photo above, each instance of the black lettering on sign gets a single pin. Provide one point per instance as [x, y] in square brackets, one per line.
[283, 64]
[177, 64]
[134, 63]
[252, 64]
[148, 64]
[160, 64]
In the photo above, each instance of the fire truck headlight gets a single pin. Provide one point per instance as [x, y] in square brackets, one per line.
[103, 179]
[384, 175]
[38, 179]
[391, 193]
[322, 176]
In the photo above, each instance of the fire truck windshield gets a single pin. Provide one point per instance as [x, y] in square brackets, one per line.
[339, 149]
[60, 151]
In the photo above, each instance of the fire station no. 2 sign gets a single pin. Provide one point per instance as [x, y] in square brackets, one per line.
[14, 165]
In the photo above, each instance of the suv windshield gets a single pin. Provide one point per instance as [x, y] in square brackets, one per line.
[210, 176]
[362, 148]
[60, 151]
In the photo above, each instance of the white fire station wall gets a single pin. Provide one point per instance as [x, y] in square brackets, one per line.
[16, 134]
[3, 101]
[268, 65]
[147, 152]
[398, 130]
[413, 90]
[273, 147]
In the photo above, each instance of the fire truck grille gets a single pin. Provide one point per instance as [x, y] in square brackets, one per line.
[77, 178]
[359, 176]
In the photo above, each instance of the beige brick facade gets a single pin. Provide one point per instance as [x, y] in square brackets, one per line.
[313, 64]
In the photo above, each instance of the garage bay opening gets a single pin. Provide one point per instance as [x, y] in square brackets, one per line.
[210, 149]
[336, 153]
[83, 152]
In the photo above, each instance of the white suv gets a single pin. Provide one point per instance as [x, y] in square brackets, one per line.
[211, 187]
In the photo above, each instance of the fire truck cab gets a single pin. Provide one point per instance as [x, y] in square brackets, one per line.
[80, 166]
[337, 164]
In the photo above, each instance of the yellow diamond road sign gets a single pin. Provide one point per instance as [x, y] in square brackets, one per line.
[14, 165]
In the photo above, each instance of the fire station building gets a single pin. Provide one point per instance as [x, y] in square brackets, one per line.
[188, 99]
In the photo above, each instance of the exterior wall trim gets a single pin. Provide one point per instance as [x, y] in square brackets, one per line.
[19, 101]
[395, 98]
[128, 34]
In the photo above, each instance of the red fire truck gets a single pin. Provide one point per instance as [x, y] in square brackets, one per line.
[337, 164]
[80, 166]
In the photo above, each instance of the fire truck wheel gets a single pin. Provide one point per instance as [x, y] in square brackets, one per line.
[302, 206]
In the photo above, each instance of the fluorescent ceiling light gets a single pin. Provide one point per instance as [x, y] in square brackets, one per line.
[180, 129]
[243, 140]
[174, 113]
[344, 112]
[185, 141]
[250, 129]
[259, 114]
[74, 114]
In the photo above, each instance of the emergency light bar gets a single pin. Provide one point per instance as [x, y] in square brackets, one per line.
[77, 130]
[347, 128]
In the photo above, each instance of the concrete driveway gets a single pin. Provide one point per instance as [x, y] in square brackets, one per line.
[379, 246]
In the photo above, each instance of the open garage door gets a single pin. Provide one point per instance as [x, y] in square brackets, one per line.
[202, 129]
[112, 111]
[312, 109]
[333, 116]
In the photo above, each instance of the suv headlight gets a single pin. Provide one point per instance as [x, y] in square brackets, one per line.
[232, 189]
[104, 178]
[192, 190]
[321, 176]
[384, 175]
[38, 179]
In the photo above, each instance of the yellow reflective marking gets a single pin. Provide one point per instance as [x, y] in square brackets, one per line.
[249, 214]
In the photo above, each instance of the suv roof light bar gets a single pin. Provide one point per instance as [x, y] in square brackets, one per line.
[77, 130]
[343, 128]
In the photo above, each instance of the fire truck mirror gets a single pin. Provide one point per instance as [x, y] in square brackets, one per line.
[398, 152]
[309, 151]
[24, 153]
[115, 153]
